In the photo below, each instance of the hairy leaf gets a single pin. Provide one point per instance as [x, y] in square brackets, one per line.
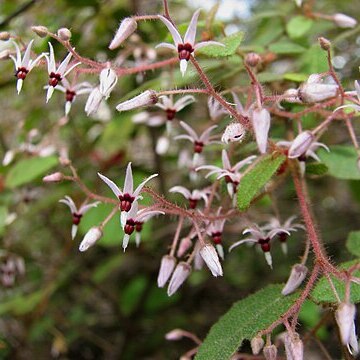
[27, 170]
[316, 168]
[256, 177]
[243, 321]
[231, 43]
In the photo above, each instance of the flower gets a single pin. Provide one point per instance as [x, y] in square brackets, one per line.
[71, 91]
[198, 141]
[230, 173]
[108, 80]
[294, 347]
[90, 238]
[261, 124]
[57, 74]
[315, 90]
[260, 237]
[257, 343]
[93, 102]
[135, 220]
[193, 196]
[210, 256]
[181, 273]
[185, 47]
[282, 230]
[10, 267]
[23, 65]
[128, 196]
[126, 28]
[345, 317]
[77, 213]
[146, 98]
[167, 266]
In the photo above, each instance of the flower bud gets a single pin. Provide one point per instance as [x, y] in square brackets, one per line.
[297, 276]
[257, 343]
[8, 158]
[211, 258]
[313, 92]
[108, 80]
[345, 317]
[252, 59]
[233, 132]
[344, 21]
[126, 28]
[184, 246]
[292, 96]
[181, 273]
[300, 144]
[148, 97]
[294, 347]
[90, 238]
[215, 108]
[55, 177]
[4, 35]
[166, 268]
[261, 123]
[270, 352]
[41, 31]
[93, 102]
[64, 34]
[324, 43]
[174, 335]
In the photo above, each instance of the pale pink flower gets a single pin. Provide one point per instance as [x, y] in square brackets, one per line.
[56, 74]
[210, 256]
[261, 123]
[294, 347]
[344, 21]
[231, 173]
[77, 213]
[316, 90]
[193, 196]
[108, 80]
[128, 196]
[148, 97]
[90, 238]
[134, 222]
[23, 65]
[215, 229]
[93, 102]
[185, 47]
[126, 28]
[297, 276]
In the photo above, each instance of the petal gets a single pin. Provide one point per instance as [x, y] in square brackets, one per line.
[183, 102]
[71, 68]
[225, 160]
[244, 162]
[238, 105]
[184, 137]
[26, 57]
[183, 66]
[33, 63]
[166, 45]
[191, 30]
[128, 184]
[19, 84]
[139, 188]
[182, 190]
[18, 55]
[86, 208]
[49, 93]
[173, 31]
[207, 43]
[114, 188]
[204, 137]
[189, 130]
[242, 242]
[51, 59]
[70, 203]
[64, 64]
[125, 241]
[74, 229]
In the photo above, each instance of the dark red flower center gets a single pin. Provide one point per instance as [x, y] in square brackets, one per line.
[192, 203]
[265, 244]
[129, 226]
[21, 73]
[126, 201]
[69, 95]
[217, 237]
[170, 114]
[138, 226]
[198, 146]
[76, 218]
[54, 79]
[283, 237]
[185, 51]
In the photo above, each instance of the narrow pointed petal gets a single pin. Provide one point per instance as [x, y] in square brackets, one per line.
[166, 45]
[49, 93]
[183, 66]
[125, 241]
[225, 160]
[244, 162]
[268, 258]
[71, 68]
[242, 242]
[173, 31]
[230, 189]
[51, 59]
[190, 130]
[123, 218]
[64, 64]
[204, 137]
[182, 190]
[17, 61]
[70, 203]
[139, 188]
[184, 137]
[128, 184]
[84, 209]
[114, 188]
[191, 30]
[73, 231]
[26, 58]
[220, 250]
[67, 107]
[207, 43]
[137, 239]
[19, 85]
[183, 102]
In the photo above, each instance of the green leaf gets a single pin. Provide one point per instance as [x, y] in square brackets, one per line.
[297, 77]
[3, 216]
[256, 177]
[243, 321]
[286, 48]
[353, 243]
[313, 61]
[316, 168]
[322, 292]
[131, 295]
[231, 43]
[341, 161]
[27, 170]
[298, 26]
